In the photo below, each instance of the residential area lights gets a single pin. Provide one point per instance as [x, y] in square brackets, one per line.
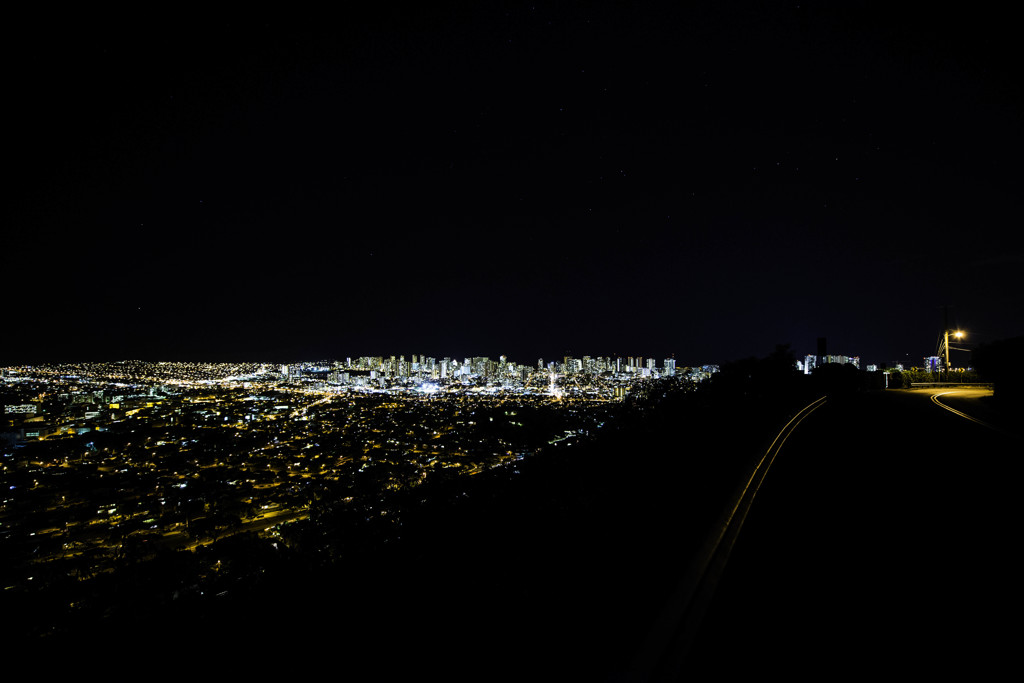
[107, 463]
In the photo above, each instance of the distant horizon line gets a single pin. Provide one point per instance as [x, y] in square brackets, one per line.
[638, 361]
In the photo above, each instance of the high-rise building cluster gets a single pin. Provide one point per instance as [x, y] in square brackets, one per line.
[809, 363]
[379, 371]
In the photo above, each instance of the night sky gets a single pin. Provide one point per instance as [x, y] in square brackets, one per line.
[472, 179]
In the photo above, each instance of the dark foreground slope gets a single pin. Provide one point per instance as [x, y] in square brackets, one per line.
[558, 569]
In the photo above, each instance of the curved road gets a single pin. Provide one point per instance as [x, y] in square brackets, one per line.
[884, 539]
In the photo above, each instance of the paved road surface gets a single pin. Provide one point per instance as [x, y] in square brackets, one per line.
[883, 542]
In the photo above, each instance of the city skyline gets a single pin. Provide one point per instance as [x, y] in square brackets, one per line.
[805, 363]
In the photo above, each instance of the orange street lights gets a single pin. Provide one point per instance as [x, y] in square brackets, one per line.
[959, 334]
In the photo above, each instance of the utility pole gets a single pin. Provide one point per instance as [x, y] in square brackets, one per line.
[945, 332]
[945, 338]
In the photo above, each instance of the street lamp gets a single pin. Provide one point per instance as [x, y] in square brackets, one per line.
[959, 334]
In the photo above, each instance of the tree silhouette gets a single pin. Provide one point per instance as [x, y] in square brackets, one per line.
[1000, 363]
